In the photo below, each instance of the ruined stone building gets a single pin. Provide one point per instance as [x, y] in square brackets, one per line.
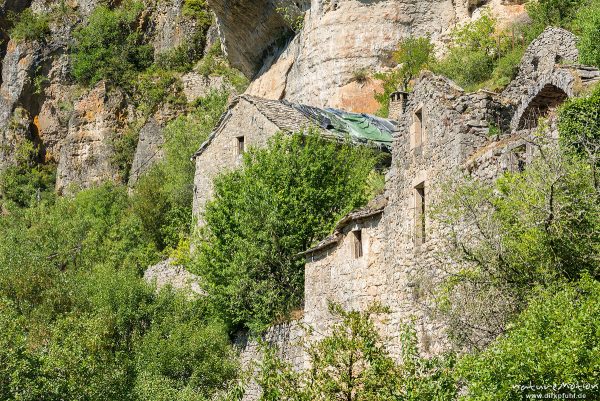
[251, 121]
[388, 251]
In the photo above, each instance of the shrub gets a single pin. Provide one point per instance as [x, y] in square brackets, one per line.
[579, 126]
[545, 13]
[284, 198]
[26, 182]
[155, 87]
[28, 26]
[481, 56]
[352, 363]
[554, 341]
[214, 64]
[587, 26]
[163, 196]
[111, 46]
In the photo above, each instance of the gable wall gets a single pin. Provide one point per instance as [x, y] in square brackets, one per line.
[245, 120]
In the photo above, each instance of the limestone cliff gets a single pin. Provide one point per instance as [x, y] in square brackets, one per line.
[338, 38]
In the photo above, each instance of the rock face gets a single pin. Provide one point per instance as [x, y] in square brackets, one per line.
[85, 155]
[249, 28]
[339, 38]
[20, 63]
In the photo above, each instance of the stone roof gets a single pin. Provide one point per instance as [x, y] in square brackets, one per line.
[374, 208]
[332, 123]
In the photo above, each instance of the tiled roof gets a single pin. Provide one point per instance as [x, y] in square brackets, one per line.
[333, 123]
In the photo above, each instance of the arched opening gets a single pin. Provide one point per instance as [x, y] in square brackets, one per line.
[548, 99]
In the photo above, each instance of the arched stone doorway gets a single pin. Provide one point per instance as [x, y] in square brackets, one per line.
[546, 100]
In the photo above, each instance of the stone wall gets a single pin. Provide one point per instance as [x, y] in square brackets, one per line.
[286, 338]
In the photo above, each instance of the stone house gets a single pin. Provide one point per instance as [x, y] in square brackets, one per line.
[251, 121]
[390, 251]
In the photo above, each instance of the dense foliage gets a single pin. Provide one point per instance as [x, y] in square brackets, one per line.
[163, 195]
[111, 46]
[579, 125]
[352, 364]
[78, 322]
[553, 342]
[282, 199]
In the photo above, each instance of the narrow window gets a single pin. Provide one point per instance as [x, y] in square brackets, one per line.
[518, 159]
[241, 147]
[357, 244]
[420, 214]
[417, 137]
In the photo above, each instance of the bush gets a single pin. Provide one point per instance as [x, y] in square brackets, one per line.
[111, 46]
[587, 26]
[352, 363]
[29, 26]
[26, 182]
[554, 341]
[478, 52]
[579, 126]
[163, 196]
[282, 200]
[545, 13]
[215, 64]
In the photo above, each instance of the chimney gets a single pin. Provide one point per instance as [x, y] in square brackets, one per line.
[398, 102]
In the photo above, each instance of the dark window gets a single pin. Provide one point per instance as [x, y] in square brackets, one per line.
[420, 214]
[518, 159]
[241, 147]
[418, 128]
[357, 249]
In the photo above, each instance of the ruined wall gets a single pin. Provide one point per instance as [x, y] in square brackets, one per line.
[241, 120]
[395, 270]
[286, 338]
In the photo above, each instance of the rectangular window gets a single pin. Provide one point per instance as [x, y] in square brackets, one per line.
[357, 244]
[417, 128]
[518, 159]
[241, 147]
[420, 214]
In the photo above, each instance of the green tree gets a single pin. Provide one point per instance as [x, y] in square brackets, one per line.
[282, 199]
[554, 341]
[412, 56]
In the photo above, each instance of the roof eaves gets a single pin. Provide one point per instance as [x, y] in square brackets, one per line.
[359, 214]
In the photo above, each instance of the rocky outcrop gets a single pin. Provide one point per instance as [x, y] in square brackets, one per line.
[148, 150]
[86, 154]
[21, 62]
[170, 27]
[339, 38]
[249, 29]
